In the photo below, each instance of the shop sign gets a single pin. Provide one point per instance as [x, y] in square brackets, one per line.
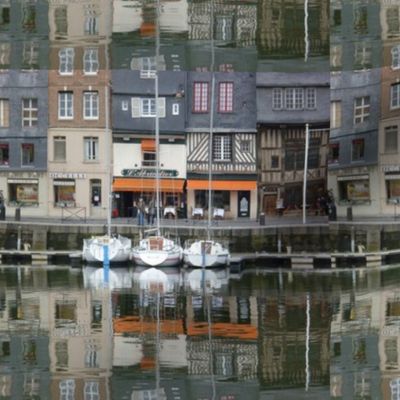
[67, 175]
[149, 173]
[390, 168]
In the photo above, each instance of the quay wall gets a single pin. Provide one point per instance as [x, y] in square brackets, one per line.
[312, 238]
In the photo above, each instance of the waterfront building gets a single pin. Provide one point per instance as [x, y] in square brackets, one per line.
[353, 175]
[79, 134]
[133, 115]
[389, 124]
[23, 106]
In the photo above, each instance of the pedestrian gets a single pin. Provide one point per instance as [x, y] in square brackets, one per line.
[151, 213]
[140, 212]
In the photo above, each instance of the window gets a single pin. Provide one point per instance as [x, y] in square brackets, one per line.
[61, 21]
[175, 109]
[148, 67]
[29, 112]
[4, 154]
[67, 389]
[333, 156]
[391, 139]
[395, 57]
[361, 109]
[222, 148]
[395, 96]
[277, 99]
[146, 107]
[149, 159]
[29, 17]
[245, 146]
[91, 61]
[220, 199]
[90, 105]
[336, 114]
[362, 55]
[92, 391]
[225, 101]
[200, 97]
[65, 105]
[336, 56]
[91, 354]
[91, 25]
[5, 52]
[357, 149]
[4, 113]
[59, 148]
[30, 55]
[66, 61]
[354, 190]
[274, 162]
[311, 98]
[294, 98]
[91, 145]
[27, 154]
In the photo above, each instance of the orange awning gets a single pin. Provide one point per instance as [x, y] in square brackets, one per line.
[221, 185]
[147, 185]
[148, 145]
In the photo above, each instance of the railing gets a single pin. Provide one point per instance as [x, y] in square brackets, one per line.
[71, 213]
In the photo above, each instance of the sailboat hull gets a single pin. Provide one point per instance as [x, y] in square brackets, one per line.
[119, 249]
[215, 254]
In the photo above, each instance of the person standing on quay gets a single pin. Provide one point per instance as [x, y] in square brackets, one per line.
[152, 212]
[140, 212]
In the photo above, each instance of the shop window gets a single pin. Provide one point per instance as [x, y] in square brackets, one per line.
[60, 149]
[27, 154]
[333, 153]
[392, 189]
[95, 185]
[222, 148]
[4, 154]
[91, 148]
[391, 139]
[64, 193]
[357, 149]
[354, 190]
[221, 199]
[23, 193]
[171, 199]
[29, 112]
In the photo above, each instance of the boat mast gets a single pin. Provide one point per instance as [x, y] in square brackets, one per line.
[157, 128]
[210, 143]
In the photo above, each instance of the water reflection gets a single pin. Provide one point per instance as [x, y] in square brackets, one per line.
[257, 335]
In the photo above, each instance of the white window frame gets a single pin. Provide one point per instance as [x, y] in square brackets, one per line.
[66, 61]
[395, 96]
[91, 105]
[91, 148]
[294, 98]
[66, 103]
[29, 112]
[222, 148]
[91, 61]
[311, 98]
[277, 98]
[148, 67]
[361, 110]
[140, 107]
[4, 113]
[148, 107]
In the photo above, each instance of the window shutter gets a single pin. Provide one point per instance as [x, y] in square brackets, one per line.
[161, 107]
[135, 102]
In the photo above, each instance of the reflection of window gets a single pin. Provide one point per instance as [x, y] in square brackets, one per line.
[357, 149]
[61, 348]
[5, 385]
[91, 146]
[29, 112]
[360, 22]
[29, 17]
[148, 67]
[60, 152]
[333, 153]
[362, 55]
[391, 139]
[395, 57]
[222, 148]
[200, 97]
[90, 105]
[65, 312]
[5, 52]
[391, 354]
[61, 20]
[30, 55]
[91, 25]
[27, 153]
[4, 17]
[359, 350]
[361, 109]
[65, 105]
[395, 388]
[92, 390]
[91, 354]
[4, 113]
[29, 351]
[392, 21]
[64, 192]
[67, 389]
[66, 61]
[395, 95]
[225, 98]
[4, 154]
[224, 27]
[31, 385]
[392, 187]
[336, 114]
[91, 61]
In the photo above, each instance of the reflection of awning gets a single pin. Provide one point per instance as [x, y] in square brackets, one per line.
[147, 185]
[222, 185]
[148, 145]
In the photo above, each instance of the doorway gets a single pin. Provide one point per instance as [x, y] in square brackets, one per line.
[244, 204]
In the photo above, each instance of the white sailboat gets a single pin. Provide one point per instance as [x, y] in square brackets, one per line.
[108, 247]
[206, 252]
[157, 250]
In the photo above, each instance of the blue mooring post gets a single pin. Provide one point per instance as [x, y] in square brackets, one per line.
[106, 263]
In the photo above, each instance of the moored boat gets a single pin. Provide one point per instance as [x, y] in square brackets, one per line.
[119, 249]
[206, 253]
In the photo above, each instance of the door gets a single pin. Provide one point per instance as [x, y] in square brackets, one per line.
[269, 204]
[244, 204]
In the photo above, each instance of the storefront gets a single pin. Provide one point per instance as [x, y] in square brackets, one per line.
[354, 188]
[23, 192]
[230, 198]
